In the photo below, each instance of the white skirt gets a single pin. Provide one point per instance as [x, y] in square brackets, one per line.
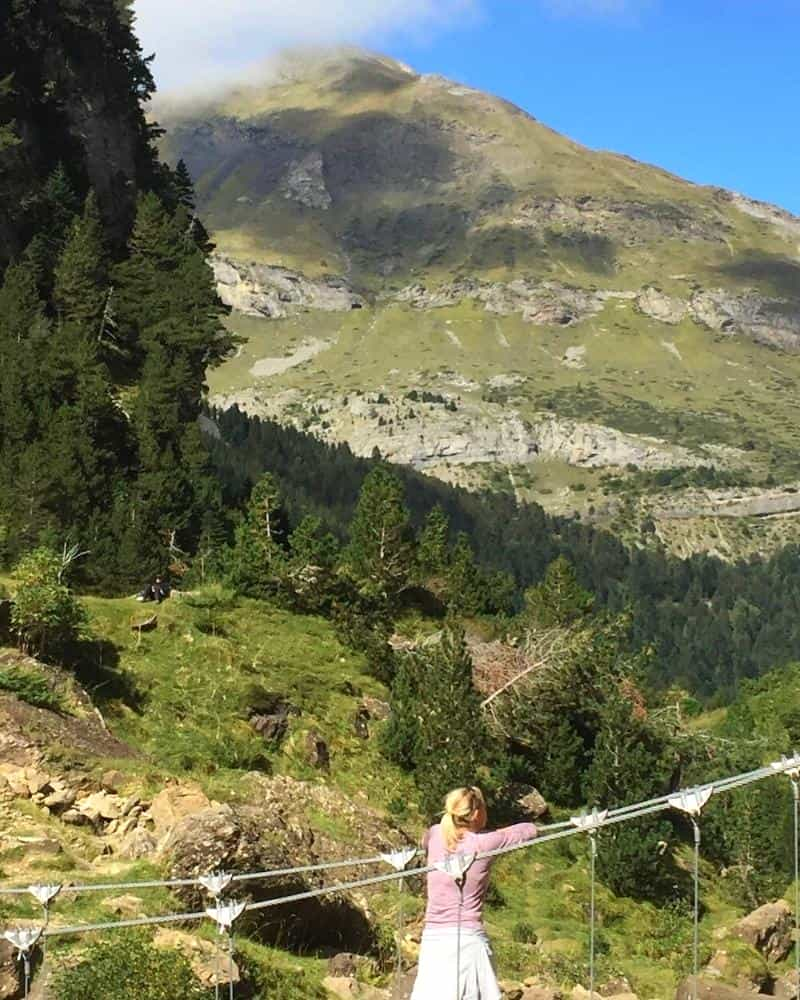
[439, 966]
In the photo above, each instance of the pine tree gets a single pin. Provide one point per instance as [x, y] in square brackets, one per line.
[466, 585]
[559, 600]
[57, 207]
[8, 131]
[183, 187]
[452, 745]
[400, 740]
[380, 553]
[258, 560]
[81, 277]
[432, 544]
[630, 762]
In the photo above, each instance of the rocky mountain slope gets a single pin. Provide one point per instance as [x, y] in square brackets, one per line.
[239, 737]
[555, 309]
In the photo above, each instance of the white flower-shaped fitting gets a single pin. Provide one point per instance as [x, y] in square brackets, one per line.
[216, 884]
[588, 822]
[24, 938]
[456, 865]
[692, 801]
[226, 916]
[399, 860]
[788, 765]
[45, 894]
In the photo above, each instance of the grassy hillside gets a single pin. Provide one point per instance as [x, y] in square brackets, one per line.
[181, 697]
[554, 294]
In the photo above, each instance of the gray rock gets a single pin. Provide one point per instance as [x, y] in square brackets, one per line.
[768, 929]
[708, 989]
[10, 980]
[774, 322]
[317, 752]
[276, 292]
[660, 307]
[305, 182]
[343, 964]
[533, 804]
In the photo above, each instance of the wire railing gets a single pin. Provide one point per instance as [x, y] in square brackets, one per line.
[225, 911]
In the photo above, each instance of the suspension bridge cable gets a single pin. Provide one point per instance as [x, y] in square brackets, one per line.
[634, 811]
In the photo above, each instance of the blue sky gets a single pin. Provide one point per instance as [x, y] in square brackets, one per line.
[709, 89]
[706, 88]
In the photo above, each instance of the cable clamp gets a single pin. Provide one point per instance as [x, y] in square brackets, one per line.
[788, 765]
[692, 801]
[216, 884]
[590, 822]
[400, 860]
[23, 939]
[456, 866]
[226, 916]
[45, 894]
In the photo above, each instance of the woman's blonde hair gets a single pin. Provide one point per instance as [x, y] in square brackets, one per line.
[460, 809]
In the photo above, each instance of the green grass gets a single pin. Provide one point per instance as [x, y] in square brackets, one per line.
[194, 677]
[32, 687]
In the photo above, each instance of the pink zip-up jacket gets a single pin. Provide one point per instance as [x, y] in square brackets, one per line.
[443, 894]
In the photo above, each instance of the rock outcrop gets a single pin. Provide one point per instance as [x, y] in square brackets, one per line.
[305, 182]
[276, 292]
[768, 929]
[10, 981]
[708, 989]
[546, 303]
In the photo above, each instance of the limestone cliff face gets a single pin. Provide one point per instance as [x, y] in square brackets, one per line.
[277, 292]
[438, 436]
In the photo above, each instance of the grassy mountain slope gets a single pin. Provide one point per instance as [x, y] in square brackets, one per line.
[382, 232]
[180, 697]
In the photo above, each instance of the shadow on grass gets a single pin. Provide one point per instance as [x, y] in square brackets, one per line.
[773, 273]
[96, 666]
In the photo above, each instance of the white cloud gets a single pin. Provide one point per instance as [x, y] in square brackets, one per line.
[206, 41]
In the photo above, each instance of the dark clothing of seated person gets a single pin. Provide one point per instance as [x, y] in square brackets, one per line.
[158, 591]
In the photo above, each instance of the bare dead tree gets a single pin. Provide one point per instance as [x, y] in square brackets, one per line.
[69, 555]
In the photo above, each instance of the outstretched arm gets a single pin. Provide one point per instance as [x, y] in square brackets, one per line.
[509, 836]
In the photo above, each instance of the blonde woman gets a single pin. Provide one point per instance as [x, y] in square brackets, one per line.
[454, 921]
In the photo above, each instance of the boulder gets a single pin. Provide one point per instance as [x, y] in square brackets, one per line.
[786, 987]
[100, 806]
[533, 804]
[708, 989]
[173, 804]
[112, 781]
[343, 964]
[768, 929]
[739, 964]
[135, 844]
[581, 993]
[210, 963]
[376, 709]
[541, 992]
[404, 984]
[317, 752]
[346, 987]
[10, 981]
[663, 308]
[60, 800]
[510, 990]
